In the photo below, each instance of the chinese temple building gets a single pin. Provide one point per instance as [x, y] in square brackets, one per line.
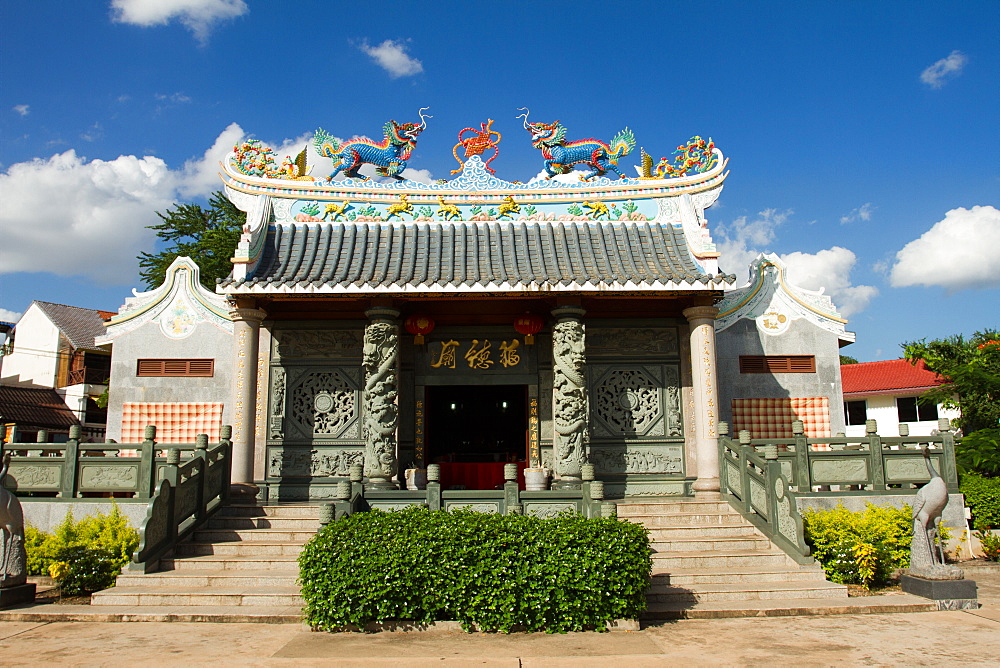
[470, 323]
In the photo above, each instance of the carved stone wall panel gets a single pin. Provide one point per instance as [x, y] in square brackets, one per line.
[631, 341]
[322, 402]
[316, 343]
[617, 460]
[109, 477]
[908, 468]
[636, 401]
[292, 462]
[843, 471]
[30, 476]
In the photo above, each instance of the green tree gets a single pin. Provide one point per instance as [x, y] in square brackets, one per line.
[847, 359]
[971, 371]
[206, 235]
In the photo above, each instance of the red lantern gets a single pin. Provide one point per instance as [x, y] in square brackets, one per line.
[529, 325]
[419, 325]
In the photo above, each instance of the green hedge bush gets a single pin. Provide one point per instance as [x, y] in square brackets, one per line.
[491, 572]
[864, 547]
[982, 496]
[88, 555]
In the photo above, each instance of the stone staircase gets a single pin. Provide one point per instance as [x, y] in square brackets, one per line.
[708, 561]
[241, 566]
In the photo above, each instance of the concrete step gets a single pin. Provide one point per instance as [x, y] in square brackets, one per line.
[896, 603]
[696, 576]
[257, 548]
[281, 523]
[745, 592]
[254, 562]
[691, 544]
[626, 509]
[719, 531]
[299, 536]
[210, 578]
[224, 614]
[653, 521]
[729, 559]
[264, 510]
[183, 596]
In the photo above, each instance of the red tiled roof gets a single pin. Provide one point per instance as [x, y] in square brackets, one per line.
[887, 377]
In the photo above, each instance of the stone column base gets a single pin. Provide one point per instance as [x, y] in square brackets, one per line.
[706, 486]
[243, 492]
[24, 593]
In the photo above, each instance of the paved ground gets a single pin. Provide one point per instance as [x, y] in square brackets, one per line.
[919, 639]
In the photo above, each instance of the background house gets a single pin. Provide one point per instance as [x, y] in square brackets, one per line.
[887, 392]
[52, 348]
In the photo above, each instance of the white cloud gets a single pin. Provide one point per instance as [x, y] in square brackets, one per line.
[71, 217]
[830, 270]
[199, 16]
[392, 57]
[863, 212]
[7, 315]
[742, 240]
[200, 176]
[961, 251]
[22, 109]
[946, 68]
[176, 98]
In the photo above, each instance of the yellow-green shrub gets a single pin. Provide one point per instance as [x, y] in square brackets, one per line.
[863, 547]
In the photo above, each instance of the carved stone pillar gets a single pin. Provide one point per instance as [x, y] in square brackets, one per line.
[569, 396]
[246, 334]
[381, 363]
[706, 398]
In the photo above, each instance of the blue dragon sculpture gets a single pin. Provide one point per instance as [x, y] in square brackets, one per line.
[560, 155]
[389, 155]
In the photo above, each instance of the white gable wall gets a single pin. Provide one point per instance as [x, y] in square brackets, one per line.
[34, 361]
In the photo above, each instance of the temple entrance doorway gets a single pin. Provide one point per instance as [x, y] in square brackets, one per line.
[473, 430]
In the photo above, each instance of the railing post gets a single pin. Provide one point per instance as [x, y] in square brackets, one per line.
[802, 474]
[745, 447]
[876, 456]
[434, 486]
[723, 429]
[226, 439]
[172, 475]
[949, 468]
[71, 464]
[510, 497]
[41, 437]
[201, 454]
[147, 466]
[772, 469]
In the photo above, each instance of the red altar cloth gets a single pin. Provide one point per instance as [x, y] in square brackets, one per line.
[478, 475]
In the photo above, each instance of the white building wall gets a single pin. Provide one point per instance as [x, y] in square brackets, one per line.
[35, 358]
[882, 409]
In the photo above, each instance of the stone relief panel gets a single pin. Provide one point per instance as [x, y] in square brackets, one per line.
[631, 459]
[302, 463]
[322, 402]
[548, 510]
[313, 343]
[109, 477]
[908, 468]
[839, 471]
[622, 341]
[636, 401]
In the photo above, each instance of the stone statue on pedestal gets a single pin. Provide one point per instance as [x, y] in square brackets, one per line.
[13, 559]
[926, 559]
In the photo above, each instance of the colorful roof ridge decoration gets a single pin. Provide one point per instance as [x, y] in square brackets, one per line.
[476, 195]
[887, 377]
[774, 303]
[177, 306]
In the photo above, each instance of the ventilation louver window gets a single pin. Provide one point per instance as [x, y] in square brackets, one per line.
[175, 368]
[777, 364]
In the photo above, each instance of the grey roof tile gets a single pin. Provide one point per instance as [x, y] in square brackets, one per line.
[381, 256]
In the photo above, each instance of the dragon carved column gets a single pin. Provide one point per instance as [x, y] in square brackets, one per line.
[569, 395]
[380, 360]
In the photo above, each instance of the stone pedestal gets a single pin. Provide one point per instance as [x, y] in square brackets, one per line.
[24, 593]
[949, 594]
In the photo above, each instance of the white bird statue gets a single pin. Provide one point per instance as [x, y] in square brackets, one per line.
[928, 505]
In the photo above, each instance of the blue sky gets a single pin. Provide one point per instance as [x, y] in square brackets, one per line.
[862, 137]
